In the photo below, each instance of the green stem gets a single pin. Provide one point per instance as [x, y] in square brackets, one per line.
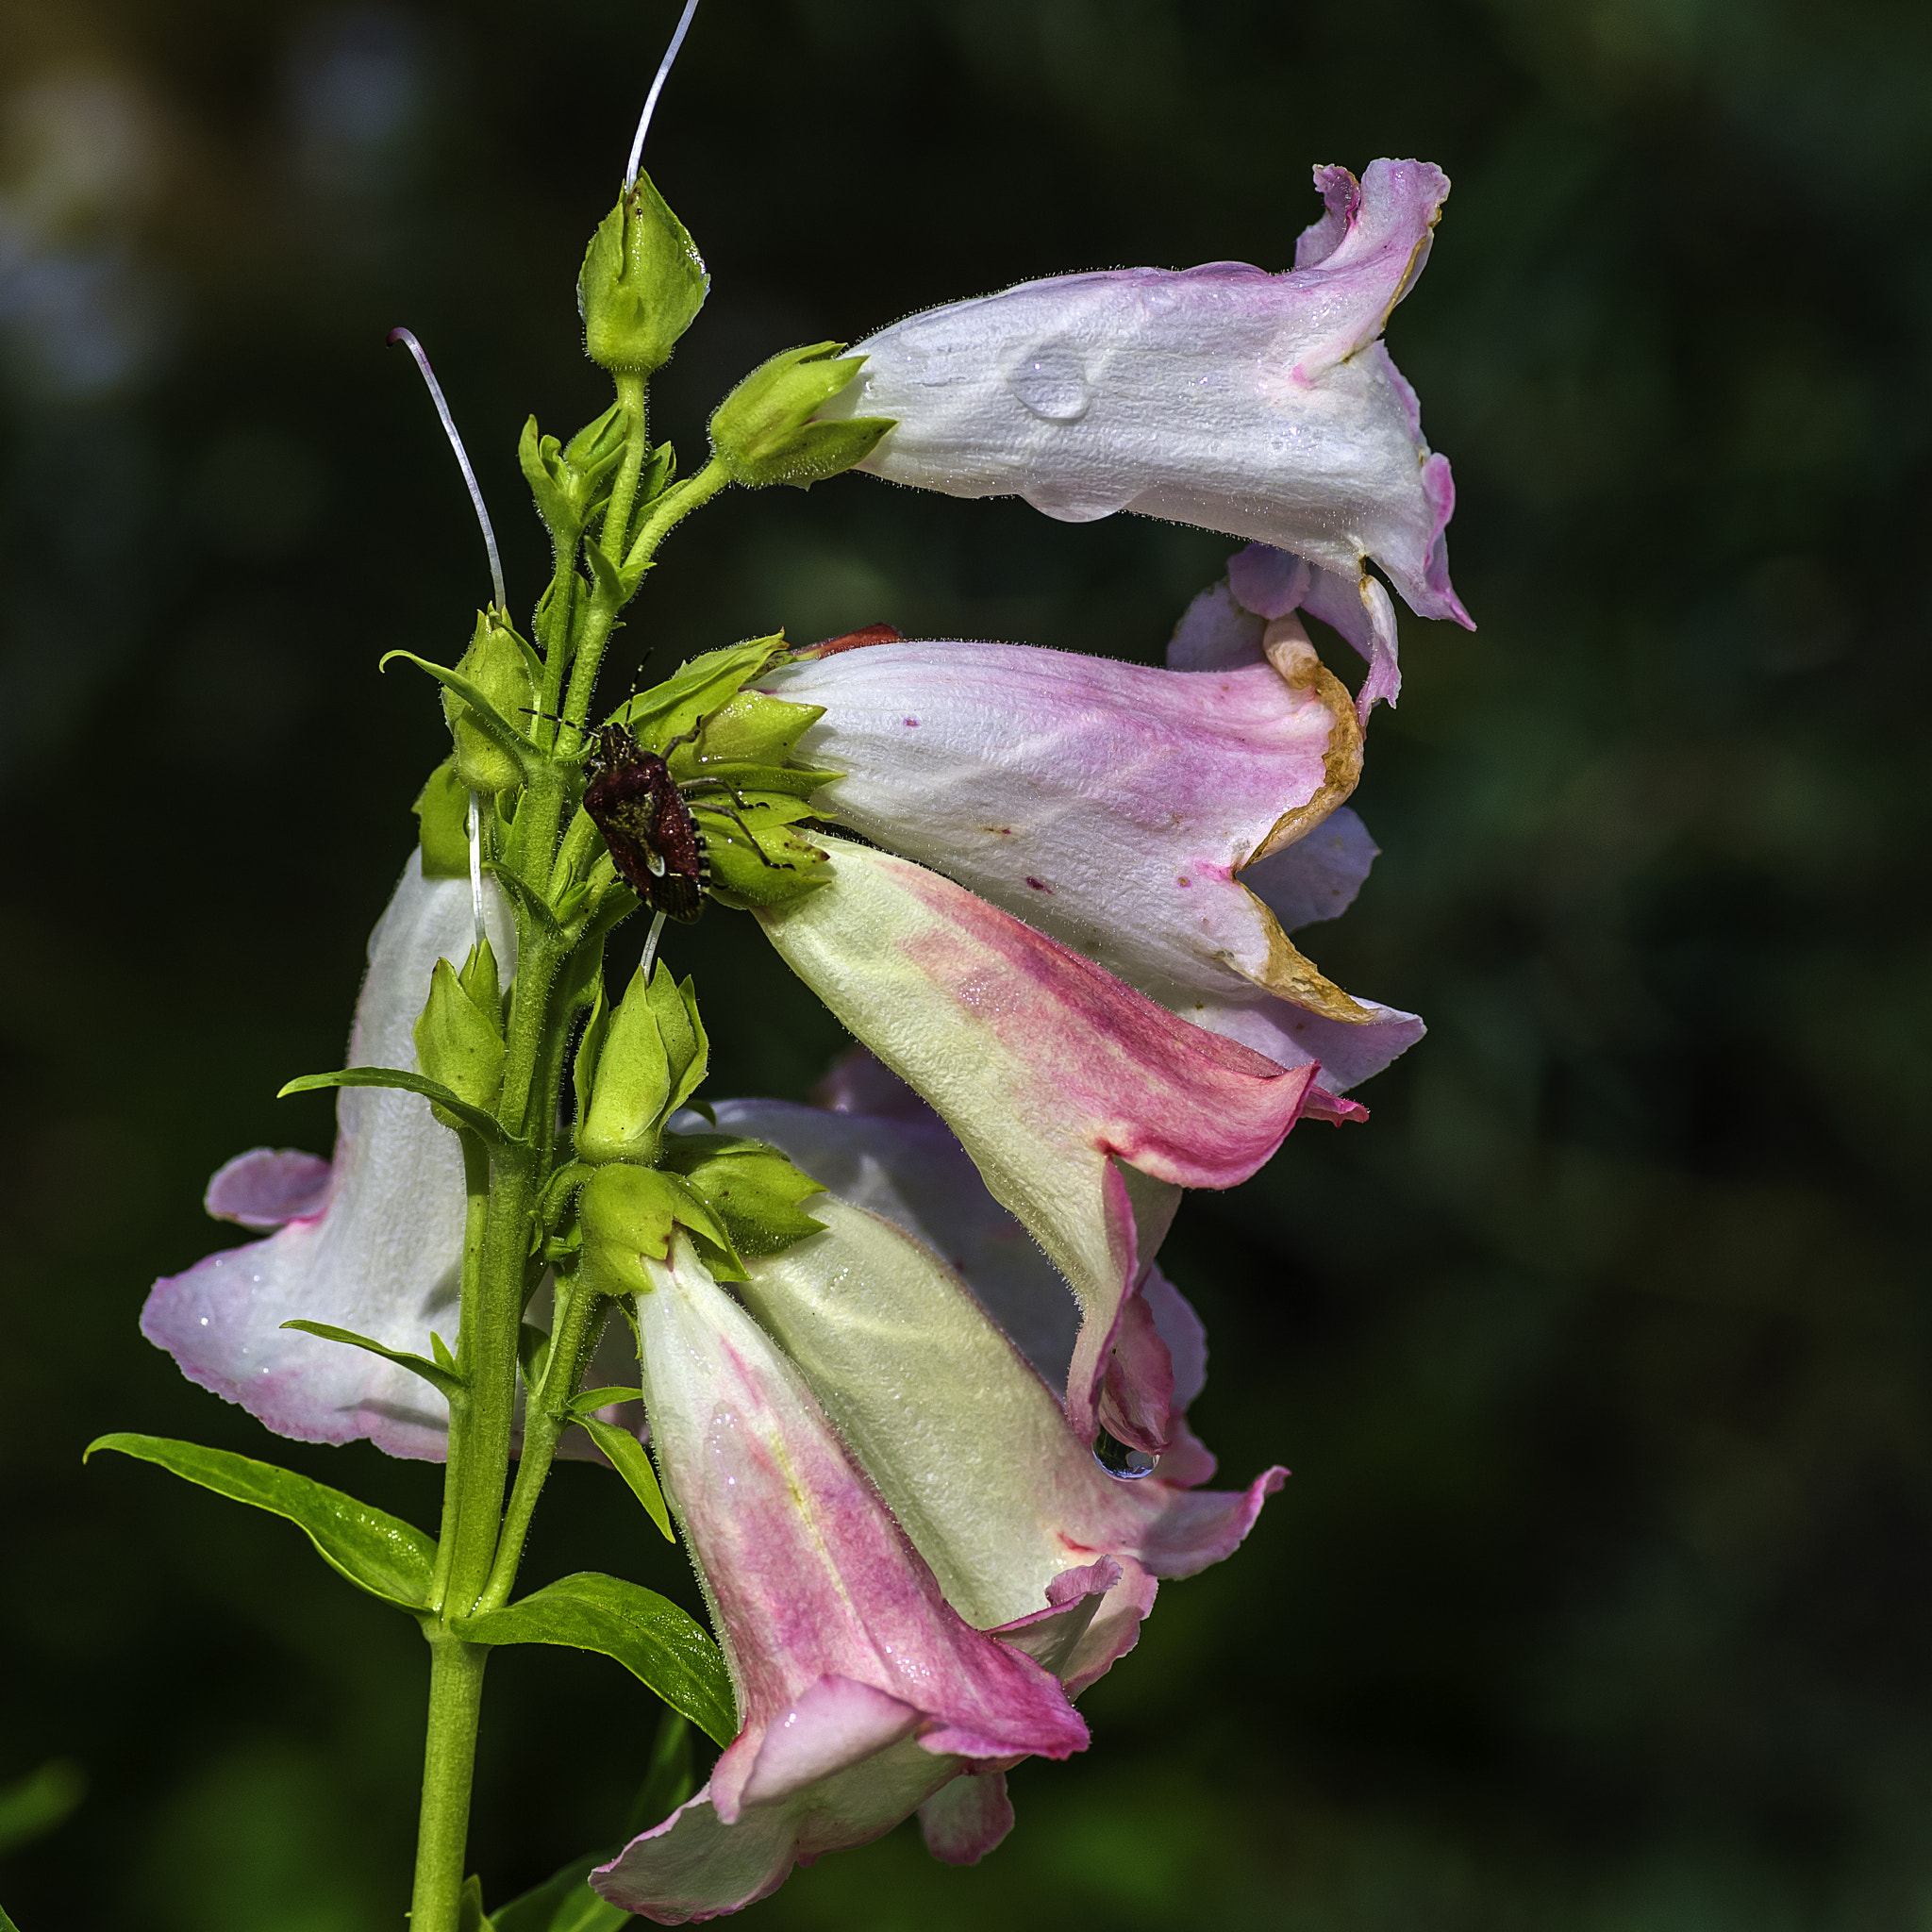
[449, 1763]
[545, 1417]
[637, 450]
[672, 508]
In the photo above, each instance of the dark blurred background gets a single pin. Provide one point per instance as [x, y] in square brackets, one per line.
[1600, 1596]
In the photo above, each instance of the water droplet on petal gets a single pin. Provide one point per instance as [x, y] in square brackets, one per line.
[1052, 383]
[1122, 1459]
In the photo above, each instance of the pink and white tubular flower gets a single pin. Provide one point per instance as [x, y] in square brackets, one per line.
[861, 1690]
[1222, 396]
[371, 1241]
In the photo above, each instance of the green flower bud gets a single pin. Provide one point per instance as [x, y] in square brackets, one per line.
[496, 664]
[653, 1057]
[763, 432]
[642, 286]
[460, 1033]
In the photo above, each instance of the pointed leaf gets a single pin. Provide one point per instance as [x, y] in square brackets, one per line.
[444, 1380]
[484, 715]
[647, 1634]
[377, 1551]
[627, 1456]
[592, 1400]
[471, 1117]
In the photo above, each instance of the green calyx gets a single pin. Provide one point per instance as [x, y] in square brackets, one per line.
[638, 1069]
[751, 1187]
[763, 432]
[629, 1215]
[498, 664]
[571, 482]
[460, 1033]
[642, 286]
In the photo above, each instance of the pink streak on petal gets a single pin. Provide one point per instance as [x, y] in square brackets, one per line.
[1174, 1100]
[268, 1187]
[1136, 1397]
[965, 1819]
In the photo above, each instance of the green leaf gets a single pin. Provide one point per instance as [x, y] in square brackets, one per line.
[629, 1458]
[564, 1902]
[377, 1551]
[588, 1401]
[443, 807]
[440, 1378]
[647, 1634]
[40, 1802]
[471, 1117]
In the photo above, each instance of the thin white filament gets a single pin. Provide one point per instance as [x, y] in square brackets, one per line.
[650, 958]
[476, 871]
[409, 341]
[637, 146]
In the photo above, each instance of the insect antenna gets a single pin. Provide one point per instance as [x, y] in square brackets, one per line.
[408, 339]
[637, 146]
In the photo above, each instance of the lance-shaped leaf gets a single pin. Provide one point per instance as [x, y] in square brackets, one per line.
[377, 1552]
[655, 1641]
[1068, 1090]
[377, 1251]
[860, 1691]
[1222, 396]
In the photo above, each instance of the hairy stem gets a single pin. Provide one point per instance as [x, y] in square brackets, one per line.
[449, 1762]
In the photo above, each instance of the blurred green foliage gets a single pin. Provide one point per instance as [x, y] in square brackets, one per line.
[1600, 1597]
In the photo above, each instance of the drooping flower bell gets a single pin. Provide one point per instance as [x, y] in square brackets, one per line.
[1224, 396]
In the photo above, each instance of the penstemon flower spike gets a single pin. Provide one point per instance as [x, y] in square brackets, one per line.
[915, 1384]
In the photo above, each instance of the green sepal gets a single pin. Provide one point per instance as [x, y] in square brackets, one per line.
[630, 1212]
[658, 1643]
[445, 1380]
[481, 712]
[737, 777]
[564, 1902]
[584, 1072]
[615, 583]
[751, 1187]
[656, 478]
[641, 284]
[459, 1037]
[696, 690]
[755, 857]
[763, 432]
[572, 482]
[755, 728]
[534, 905]
[628, 1458]
[443, 807]
[498, 665]
[6, 1923]
[471, 1117]
[653, 1056]
[377, 1552]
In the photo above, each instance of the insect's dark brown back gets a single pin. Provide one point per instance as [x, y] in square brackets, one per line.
[655, 845]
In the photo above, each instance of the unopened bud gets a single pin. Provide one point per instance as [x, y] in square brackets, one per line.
[642, 286]
[494, 663]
